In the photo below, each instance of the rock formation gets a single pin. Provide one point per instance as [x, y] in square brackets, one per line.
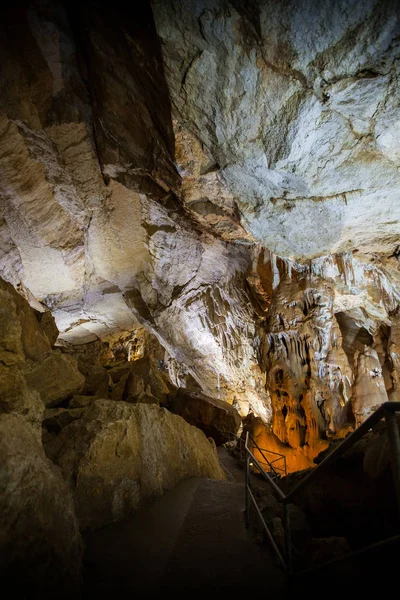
[118, 456]
[202, 196]
[32, 374]
[295, 108]
[217, 419]
[40, 544]
[161, 220]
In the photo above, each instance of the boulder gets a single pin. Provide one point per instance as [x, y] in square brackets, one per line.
[81, 401]
[32, 374]
[17, 398]
[147, 398]
[216, 418]
[56, 418]
[21, 334]
[131, 379]
[119, 455]
[96, 379]
[55, 378]
[40, 543]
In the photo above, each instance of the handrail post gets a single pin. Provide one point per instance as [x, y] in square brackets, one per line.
[394, 446]
[247, 481]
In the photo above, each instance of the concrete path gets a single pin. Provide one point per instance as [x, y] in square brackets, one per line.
[193, 539]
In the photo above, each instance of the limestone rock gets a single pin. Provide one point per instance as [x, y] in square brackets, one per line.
[151, 160]
[297, 116]
[96, 380]
[369, 385]
[118, 456]
[40, 544]
[91, 211]
[55, 378]
[145, 378]
[81, 401]
[55, 419]
[23, 341]
[145, 398]
[217, 419]
[308, 372]
[394, 353]
[16, 397]
[22, 334]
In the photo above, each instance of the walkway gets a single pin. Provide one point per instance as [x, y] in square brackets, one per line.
[193, 539]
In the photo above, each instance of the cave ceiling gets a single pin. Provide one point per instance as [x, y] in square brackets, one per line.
[172, 166]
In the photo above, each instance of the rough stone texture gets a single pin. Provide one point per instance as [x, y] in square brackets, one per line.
[22, 336]
[118, 456]
[32, 374]
[17, 398]
[91, 221]
[56, 378]
[394, 353]
[130, 379]
[40, 543]
[216, 418]
[326, 351]
[57, 418]
[370, 391]
[155, 161]
[296, 116]
[22, 341]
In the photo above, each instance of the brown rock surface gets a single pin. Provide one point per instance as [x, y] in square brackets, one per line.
[16, 397]
[56, 418]
[117, 456]
[308, 373]
[40, 544]
[26, 334]
[216, 418]
[55, 378]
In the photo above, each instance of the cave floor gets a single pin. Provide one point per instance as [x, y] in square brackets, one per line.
[192, 539]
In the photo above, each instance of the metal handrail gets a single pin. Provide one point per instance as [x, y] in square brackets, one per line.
[271, 468]
[242, 444]
[269, 462]
[386, 410]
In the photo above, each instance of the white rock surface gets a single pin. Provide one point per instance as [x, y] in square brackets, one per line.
[298, 106]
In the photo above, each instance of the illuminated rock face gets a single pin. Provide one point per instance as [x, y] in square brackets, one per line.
[330, 351]
[295, 108]
[91, 219]
[118, 456]
[152, 160]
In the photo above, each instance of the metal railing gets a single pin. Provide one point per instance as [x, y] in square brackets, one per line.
[386, 411]
[269, 465]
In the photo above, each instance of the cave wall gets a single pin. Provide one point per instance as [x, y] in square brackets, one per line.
[91, 222]
[327, 350]
[223, 176]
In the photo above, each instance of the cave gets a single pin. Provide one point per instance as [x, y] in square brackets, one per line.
[199, 245]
